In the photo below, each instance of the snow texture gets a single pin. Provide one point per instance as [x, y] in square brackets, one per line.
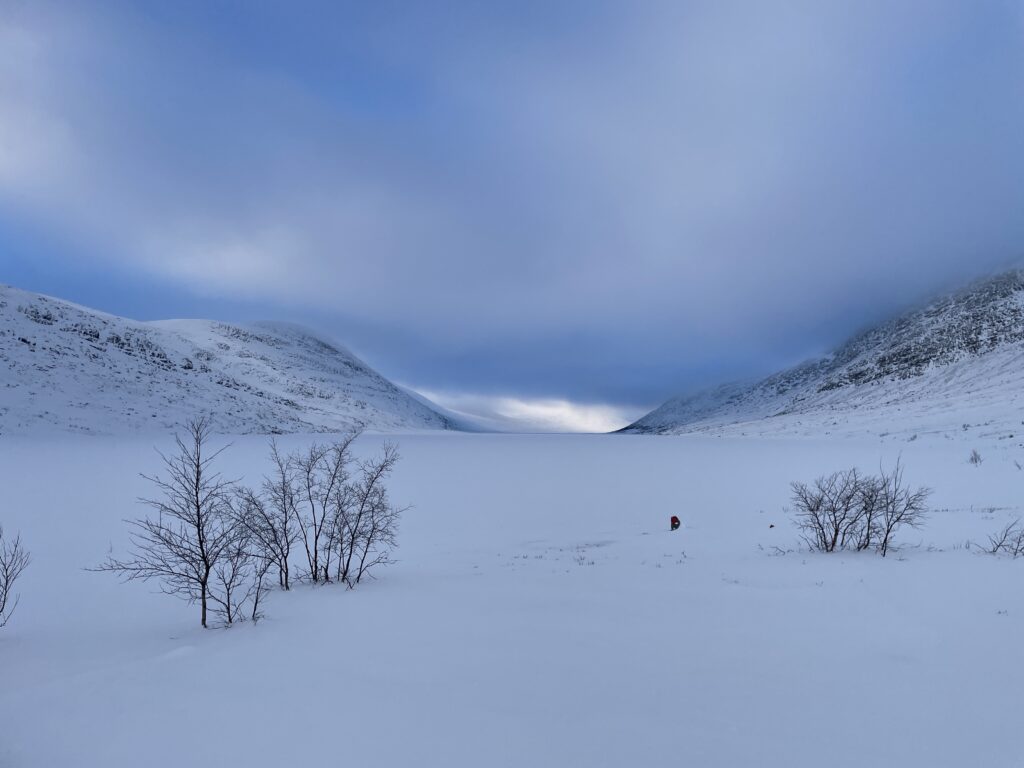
[954, 365]
[541, 614]
[64, 367]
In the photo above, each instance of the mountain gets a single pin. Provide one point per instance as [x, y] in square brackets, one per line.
[66, 367]
[956, 364]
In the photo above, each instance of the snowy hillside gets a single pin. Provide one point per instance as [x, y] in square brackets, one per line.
[955, 365]
[65, 367]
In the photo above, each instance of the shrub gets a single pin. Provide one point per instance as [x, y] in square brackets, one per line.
[851, 511]
[1008, 541]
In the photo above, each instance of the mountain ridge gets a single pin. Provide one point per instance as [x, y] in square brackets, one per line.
[67, 367]
[899, 371]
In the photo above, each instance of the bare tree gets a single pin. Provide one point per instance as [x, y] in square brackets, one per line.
[270, 518]
[866, 529]
[380, 535]
[367, 523]
[194, 526]
[258, 586]
[322, 473]
[14, 559]
[233, 580]
[848, 510]
[239, 582]
[898, 505]
[827, 511]
[809, 503]
[975, 457]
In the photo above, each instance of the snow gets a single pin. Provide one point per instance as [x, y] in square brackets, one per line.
[986, 394]
[541, 614]
[959, 360]
[68, 368]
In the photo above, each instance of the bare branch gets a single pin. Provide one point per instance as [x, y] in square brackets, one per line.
[14, 559]
[848, 510]
[194, 526]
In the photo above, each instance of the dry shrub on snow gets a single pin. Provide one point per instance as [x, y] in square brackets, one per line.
[1008, 541]
[849, 510]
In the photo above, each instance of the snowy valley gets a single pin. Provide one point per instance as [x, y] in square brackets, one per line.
[539, 611]
[327, 335]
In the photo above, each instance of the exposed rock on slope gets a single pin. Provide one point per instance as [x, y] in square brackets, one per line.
[65, 367]
[957, 363]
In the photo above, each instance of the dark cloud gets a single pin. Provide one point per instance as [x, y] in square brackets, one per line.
[600, 203]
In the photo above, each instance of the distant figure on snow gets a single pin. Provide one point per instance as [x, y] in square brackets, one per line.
[675, 522]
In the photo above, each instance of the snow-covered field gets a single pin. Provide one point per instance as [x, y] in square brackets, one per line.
[541, 614]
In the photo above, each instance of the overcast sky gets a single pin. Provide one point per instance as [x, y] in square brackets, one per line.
[555, 212]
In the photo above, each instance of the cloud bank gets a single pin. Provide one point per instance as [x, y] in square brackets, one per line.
[596, 203]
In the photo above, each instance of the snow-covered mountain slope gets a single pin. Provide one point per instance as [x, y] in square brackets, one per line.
[956, 364]
[66, 367]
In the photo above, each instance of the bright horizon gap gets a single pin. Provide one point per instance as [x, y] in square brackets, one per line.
[509, 413]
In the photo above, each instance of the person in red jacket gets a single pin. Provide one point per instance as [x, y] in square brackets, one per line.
[675, 522]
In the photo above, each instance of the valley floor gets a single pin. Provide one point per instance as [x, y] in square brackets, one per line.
[540, 614]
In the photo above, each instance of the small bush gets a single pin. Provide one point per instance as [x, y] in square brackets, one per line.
[852, 511]
[1008, 541]
[975, 458]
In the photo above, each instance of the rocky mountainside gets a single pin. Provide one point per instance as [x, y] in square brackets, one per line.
[957, 363]
[65, 367]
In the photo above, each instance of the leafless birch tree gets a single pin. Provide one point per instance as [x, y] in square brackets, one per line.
[322, 473]
[233, 579]
[14, 559]
[194, 526]
[367, 523]
[898, 506]
[827, 510]
[270, 518]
